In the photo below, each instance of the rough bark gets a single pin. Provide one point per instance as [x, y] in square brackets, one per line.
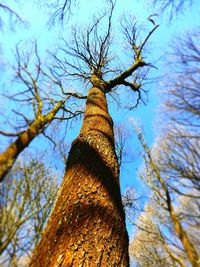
[8, 157]
[87, 225]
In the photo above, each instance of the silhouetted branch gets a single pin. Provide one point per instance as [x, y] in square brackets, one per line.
[131, 34]
[173, 6]
[88, 57]
[62, 10]
[88, 48]
[15, 17]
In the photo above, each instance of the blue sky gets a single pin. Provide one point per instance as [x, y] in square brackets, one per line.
[159, 46]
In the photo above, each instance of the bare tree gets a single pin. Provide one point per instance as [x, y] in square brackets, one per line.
[160, 184]
[150, 244]
[179, 160]
[40, 100]
[184, 85]
[179, 153]
[87, 225]
[172, 166]
[172, 6]
[57, 9]
[27, 196]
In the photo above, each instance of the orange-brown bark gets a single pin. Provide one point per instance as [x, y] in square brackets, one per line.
[8, 157]
[87, 225]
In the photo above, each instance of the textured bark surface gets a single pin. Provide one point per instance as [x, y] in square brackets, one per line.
[8, 157]
[87, 225]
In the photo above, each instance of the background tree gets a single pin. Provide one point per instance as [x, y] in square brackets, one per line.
[40, 99]
[180, 151]
[58, 10]
[172, 167]
[174, 7]
[164, 200]
[13, 17]
[150, 245]
[27, 196]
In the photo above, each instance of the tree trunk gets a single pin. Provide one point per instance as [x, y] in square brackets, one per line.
[87, 224]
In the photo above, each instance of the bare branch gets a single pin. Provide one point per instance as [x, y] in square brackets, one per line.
[146, 39]
[160, 187]
[89, 48]
[120, 79]
[15, 18]
[22, 220]
[44, 100]
[62, 10]
[173, 6]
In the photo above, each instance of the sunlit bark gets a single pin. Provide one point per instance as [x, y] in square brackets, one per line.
[8, 157]
[87, 225]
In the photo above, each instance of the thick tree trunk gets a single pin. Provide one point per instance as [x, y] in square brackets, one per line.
[8, 157]
[87, 225]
